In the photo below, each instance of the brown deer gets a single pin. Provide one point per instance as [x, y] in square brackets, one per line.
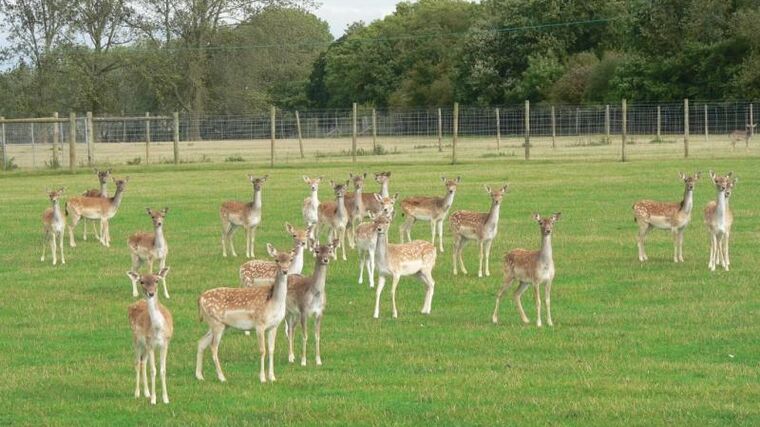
[334, 216]
[366, 239]
[54, 225]
[650, 214]
[531, 268]
[103, 176]
[310, 207]
[100, 208]
[478, 226]
[236, 214]
[355, 206]
[261, 308]
[433, 209]
[742, 135]
[152, 326]
[258, 272]
[371, 203]
[719, 219]
[150, 247]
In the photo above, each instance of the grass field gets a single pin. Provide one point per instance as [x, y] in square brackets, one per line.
[651, 344]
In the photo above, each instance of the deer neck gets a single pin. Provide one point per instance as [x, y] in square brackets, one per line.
[103, 189]
[296, 267]
[279, 292]
[688, 201]
[493, 214]
[315, 198]
[57, 214]
[448, 200]
[116, 199]
[545, 255]
[384, 189]
[358, 201]
[381, 251]
[160, 241]
[721, 207]
[341, 212]
[319, 277]
[256, 199]
[157, 320]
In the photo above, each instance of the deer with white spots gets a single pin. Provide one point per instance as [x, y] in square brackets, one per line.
[366, 238]
[54, 225]
[235, 214]
[531, 268]
[310, 207]
[478, 226]
[152, 326]
[433, 209]
[96, 208]
[261, 308]
[103, 176]
[355, 206]
[258, 272]
[334, 216]
[719, 219]
[150, 247]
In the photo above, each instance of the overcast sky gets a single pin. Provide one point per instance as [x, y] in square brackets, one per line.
[340, 13]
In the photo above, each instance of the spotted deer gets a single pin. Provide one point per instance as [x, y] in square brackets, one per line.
[649, 214]
[371, 203]
[261, 308]
[406, 259]
[335, 217]
[355, 206]
[263, 272]
[531, 268]
[150, 247]
[54, 225]
[719, 219]
[307, 298]
[99, 208]
[742, 135]
[152, 326]
[433, 209]
[235, 214]
[103, 176]
[310, 207]
[478, 226]
[366, 239]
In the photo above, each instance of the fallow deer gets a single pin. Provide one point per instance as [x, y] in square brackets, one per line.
[742, 135]
[307, 298]
[335, 217]
[649, 214]
[150, 247]
[366, 239]
[406, 259]
[531, 268]
[261, 308]
[54, 225]
[236, 214]
[258, 272]
[479, 226]
[355, 206]
[103, 176]
[100, 208]
[433, 209]
[719, 219]
[371, 203]
[310, 207]
[152, 327]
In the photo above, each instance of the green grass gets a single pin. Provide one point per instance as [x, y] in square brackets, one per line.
[633, 344]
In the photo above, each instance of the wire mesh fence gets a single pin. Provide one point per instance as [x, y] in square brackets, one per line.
[651, 130]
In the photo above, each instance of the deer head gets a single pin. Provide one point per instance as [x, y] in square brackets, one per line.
[547, 224]
[148, 282]
[157, 216]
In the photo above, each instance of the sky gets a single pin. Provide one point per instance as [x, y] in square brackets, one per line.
[340, 13]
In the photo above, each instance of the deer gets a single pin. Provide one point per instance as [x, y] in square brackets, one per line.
[152, 326]
[479, 226]
[310, 207]
[150, 247]
[103, 176]
[54, 226]
[261, 308]
[742, 135]
[718, 219]
[649, 214]
[307, 298]
[366, 238]
[406, 259]
[263, 272]
[101, 208]
[236, 214]
[531, 268]
[355, 206]
[371, 204]
[433, 209]
[334, 216]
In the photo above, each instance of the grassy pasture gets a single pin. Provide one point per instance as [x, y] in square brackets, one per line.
[633, 344]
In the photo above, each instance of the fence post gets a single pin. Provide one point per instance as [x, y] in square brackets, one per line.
[440, 131]
[498, 130]
[578, 121]
[147, 138]
[72, 140]
[2, 134]
[175, 137]
[300, 138]
[624, 130]
[374, 130]
[751, 124]
[34, 148]
[686, 128]
[272, 117]
[353, 133]
[90, 137]
[456, 134]
[659, 123]
[707, 139]
[123, 128]
[554, 129]
[56, 140]
[607, 123]
[527, 130]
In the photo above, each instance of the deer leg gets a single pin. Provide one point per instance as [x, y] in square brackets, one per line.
[548, 300]
[317, 334]
[455, 252]
[203, 343]
[84, 229]
[488, 256]
[164, 393]
[727, 259]
[144, 369]
[231, 239]
[427, 279]
[261, 335]
[60, 244]
[304, 337]
[394, 285]
[217, 332]
[342, 233]
[680, 245]
[518, 300]
[271, 339]
[161, 266]
[362, 261]
[432, 228]
[72, 226]
[643, 230]
[723, 248]
[290, 329]
[440, 234]
[152, 357]
[713, 251]
[480, 262]
[137, 372]
[537, 291]
[224, 239]
[247, 242]
[507, 283]
[380, 286]
[253, 242]
[136, 262]
[45, 238]
[674, 232]
[371, 267]
[461, 256]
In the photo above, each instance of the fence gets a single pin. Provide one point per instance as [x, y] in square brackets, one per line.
[620, 131]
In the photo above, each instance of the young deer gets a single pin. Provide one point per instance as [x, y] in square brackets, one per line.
[531, 268]
[103, 176]
[675, 217]
[150, 247]
[310, 208]
[355, 206]
[433, 209]
[719, 218]
[236, 214]
[479, 226]
[335, 217]
[261, 308]
[54, 224]
[371, 203]
[263, 272]
[306, 298]
[152, 327]
[100, 208]
[366, 239]
[742, 135]
[405, 259]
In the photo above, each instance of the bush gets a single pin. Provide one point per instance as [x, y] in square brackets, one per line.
[134, 162]
[235, 158]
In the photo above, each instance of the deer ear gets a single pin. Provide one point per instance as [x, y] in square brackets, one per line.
[378, 197]
[264, 178]
[443, 179]
[335, 243]
[306, 179]
[697, 175]
[536, 217]
[371, 215]
[556, 216]
[126, 179]
[388, 174]
[164, 211]
[289, 228]
[108, 171]
[395, 197]
[347, 182]
[251, 178]
[163, 272]
[459, 178]
[711, 173]
[350, 175]
[149, 211]
[332, 183]
[62, 189]
[505, 188]
[682, 176]
[736, 179]
[730, 174]
[488, 188]
[271, 250]
[97, 172]
[365, 175]
[134, 277]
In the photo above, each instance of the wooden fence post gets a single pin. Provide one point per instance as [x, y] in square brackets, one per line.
[2, 135]
[374, 130]
[527, 130]
[498, 130]
[56, 141]
[175, 137]
[578, 121]
[300, 138]
[72, 140]
[456, 134]
[624, 131]
[90, 138]
[707, 138]
[751, 124]
[353, 133]
[34, 148]
[272, 117]
[147, 138]
[686, 128]
[554, 129]
[440, 131]
[659, 123]
[607, 123]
